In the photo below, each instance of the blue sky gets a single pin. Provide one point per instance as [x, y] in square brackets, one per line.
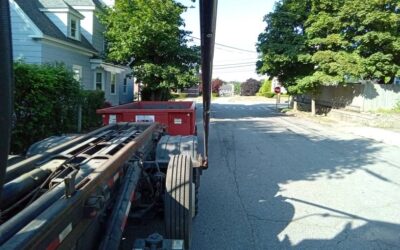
[239, 23]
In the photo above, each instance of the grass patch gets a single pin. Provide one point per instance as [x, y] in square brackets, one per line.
[285, 110]
[387, 111]
[179, 96]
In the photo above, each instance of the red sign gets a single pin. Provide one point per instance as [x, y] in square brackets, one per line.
[277, 90]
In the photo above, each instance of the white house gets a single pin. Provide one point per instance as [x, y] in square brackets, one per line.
[68, 31]
[276, 83]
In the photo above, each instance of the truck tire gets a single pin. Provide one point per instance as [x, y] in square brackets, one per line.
[179, 200]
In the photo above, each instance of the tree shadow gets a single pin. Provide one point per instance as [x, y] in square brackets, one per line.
[254, 157]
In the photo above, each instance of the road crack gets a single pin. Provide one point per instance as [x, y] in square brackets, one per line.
[230, 145]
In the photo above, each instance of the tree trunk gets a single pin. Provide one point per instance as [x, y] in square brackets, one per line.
[155, 95]
[313, 112]
[294, 103]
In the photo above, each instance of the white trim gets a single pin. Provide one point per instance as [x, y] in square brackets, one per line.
[27, 20]
[69, 10]
[84, 7]
[61, 9]
[77, 27]
[117, 69]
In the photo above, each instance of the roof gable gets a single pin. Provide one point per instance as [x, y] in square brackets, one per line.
[32, 9]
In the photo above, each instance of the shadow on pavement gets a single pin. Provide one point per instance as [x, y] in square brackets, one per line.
[251, 160]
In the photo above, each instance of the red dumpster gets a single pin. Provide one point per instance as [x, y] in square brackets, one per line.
[178, 117]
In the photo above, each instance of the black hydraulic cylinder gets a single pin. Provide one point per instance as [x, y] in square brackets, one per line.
[21, 186]
[6, 87]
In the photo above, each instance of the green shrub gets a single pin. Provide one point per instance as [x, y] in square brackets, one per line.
[236, 88]
[397, 107]
[179, 95]
[91, 101]
[265, 89]
[46, 98]
[46, 101]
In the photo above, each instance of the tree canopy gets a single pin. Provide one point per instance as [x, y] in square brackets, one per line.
[148, 33]
[308, 43]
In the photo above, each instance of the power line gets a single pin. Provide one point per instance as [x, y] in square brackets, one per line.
[235, 67]
[236, 60]
[236, 71]
[234, 64]
[228, 46]
[232, 50]
[239, 67]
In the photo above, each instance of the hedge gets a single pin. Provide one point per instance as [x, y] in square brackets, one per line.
[46, 100]
[265, 89]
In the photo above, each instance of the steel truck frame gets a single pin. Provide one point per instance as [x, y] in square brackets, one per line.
[79, 194]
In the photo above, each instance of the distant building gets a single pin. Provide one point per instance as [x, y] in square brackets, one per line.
[227, 90]
[68, 31]
[192, 91]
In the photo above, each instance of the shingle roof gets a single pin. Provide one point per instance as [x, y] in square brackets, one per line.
[52, 3]
[32, 9]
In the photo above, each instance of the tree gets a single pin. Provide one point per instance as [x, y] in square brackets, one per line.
[334, 42]
[216, 85]
[149, 33]
[250, 87]
[282, 45]
[265, 89]
[236, 87]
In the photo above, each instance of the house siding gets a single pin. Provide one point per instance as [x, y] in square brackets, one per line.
[128, 96]
[32, 46]
[24, 47]
[53, 53]
[98, 35]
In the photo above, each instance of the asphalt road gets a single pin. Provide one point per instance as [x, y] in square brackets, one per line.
[281, 182]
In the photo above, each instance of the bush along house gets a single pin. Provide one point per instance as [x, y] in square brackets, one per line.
[68, 31]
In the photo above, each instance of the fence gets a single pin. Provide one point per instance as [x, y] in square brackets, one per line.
[358, 97]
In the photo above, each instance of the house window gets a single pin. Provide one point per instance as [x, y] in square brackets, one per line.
[113, 85]
[74, 27]
[77, 72]
[397, 81]
[125, 86]
[99, 81]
